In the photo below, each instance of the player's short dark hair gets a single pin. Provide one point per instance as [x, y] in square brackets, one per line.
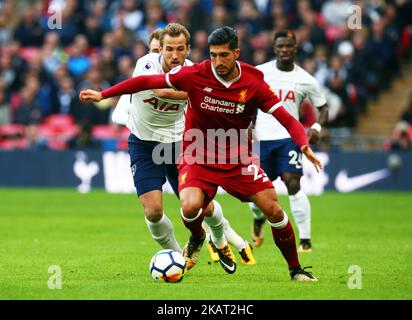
[284, 33]
[224, 35]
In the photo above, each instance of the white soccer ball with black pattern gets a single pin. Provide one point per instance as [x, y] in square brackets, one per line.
[168, 265]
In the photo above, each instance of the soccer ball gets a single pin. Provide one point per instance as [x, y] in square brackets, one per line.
[168, 265]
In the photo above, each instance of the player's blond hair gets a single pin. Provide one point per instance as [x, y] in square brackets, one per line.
[155, 35]
[174, 30]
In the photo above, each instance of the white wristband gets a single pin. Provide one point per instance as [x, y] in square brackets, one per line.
[316, 126]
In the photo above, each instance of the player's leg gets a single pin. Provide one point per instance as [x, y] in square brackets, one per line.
[289, 163]
[300, 208]
[267, 155]
[196, 193]
[214, 256]
[282, 232]
[213, 225]
[160, 226]
[148, 180]
[218, 242]
[259, 219]
[244, 249]
[214, 219]
[192, 202]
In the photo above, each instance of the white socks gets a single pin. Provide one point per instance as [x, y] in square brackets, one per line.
[216, 224]
[232, 237]
[300, 208]
[162, 233]
[256, 212]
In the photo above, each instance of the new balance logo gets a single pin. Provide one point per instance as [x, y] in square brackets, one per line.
[207, 89]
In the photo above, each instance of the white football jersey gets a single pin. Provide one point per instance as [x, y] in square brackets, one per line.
[147, 116]
[292, 87]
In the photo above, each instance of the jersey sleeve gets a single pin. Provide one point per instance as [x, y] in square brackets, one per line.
[268, 100]
[120, 114]
[270, 103]
[181, 78]
[315, 94]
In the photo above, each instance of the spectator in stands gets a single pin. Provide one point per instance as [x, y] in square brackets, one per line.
[336, 12]
[383, 47]
[78, 62]
[5, 109]
[220, 17]
[337, 82]
[66, 11]
[130, 15]
[84, 139]
[52, 54]
[5, 30]
[308, 17]
[93, 31]
[97, 35]
[95, 113]
[200, 45]
[139, 49]
[364, 65]
[68, 101]
[155, 18]
[35, 141]
[125, 66]
[28, 111]
[401, 139]
[407, 114]
[8, 74]
[29, 32]
[248, 16]
[107, 66]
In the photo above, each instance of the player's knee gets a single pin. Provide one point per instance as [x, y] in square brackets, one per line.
[190, 208]
[293, 186]
[274, 213]
[153, 212]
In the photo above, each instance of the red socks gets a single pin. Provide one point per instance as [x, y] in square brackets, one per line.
[285, 240]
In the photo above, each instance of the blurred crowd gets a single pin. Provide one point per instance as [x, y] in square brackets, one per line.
[51, 49]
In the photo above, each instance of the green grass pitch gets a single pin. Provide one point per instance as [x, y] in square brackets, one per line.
[103, 247]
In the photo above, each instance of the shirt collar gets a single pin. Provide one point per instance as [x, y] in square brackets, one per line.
[227, 84]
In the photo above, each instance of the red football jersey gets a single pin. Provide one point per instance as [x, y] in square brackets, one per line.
[219, 112]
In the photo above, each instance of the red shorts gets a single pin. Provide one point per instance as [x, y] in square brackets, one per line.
[242, 182]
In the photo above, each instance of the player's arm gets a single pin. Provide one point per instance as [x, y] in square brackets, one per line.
[297, 132]
[318, 99]
[271, 104]
[133, 85]
[179, 79]
[170, 94]
[145, 66]
[314, 131]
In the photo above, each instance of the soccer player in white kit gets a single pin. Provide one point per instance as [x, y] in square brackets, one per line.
[156, 121]
[279, 154]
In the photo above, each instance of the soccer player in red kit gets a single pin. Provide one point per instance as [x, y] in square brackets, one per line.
[224, 95]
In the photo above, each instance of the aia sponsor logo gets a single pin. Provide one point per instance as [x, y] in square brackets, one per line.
[285, 95]
[162, 105]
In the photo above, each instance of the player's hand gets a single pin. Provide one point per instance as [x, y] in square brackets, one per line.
[314, 136]
[90, 95]
[307, 151]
